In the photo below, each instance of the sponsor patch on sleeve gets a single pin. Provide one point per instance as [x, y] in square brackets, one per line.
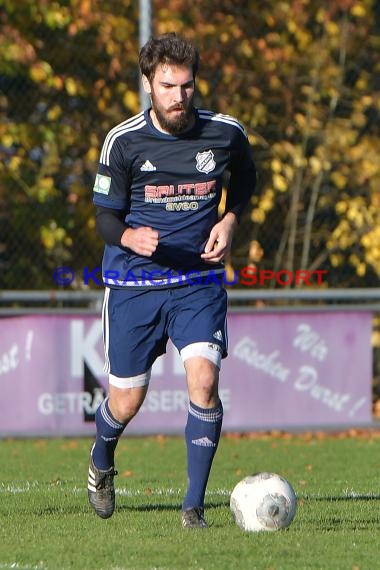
[102, 184]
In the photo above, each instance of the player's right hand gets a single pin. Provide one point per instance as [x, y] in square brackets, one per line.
[143, 241]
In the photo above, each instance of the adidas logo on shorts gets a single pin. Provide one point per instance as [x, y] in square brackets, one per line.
[203, 442]
[218, 335]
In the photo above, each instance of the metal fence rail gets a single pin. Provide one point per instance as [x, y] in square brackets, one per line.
[361, 295]
[260, 300]
[358, 295]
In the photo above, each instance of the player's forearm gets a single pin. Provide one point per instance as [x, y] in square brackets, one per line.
[110, 225]
[230, 219]
[241, 188]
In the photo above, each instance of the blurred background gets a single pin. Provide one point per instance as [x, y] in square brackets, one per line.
[303, 76]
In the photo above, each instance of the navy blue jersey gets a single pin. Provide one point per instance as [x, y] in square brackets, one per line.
[174, 185]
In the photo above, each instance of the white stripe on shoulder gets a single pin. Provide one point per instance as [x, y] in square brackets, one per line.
[132, 124]
[211, 116]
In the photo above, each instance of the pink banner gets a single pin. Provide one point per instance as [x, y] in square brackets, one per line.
[284, 370]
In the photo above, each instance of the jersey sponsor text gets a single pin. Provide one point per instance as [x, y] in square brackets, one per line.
[177, 192]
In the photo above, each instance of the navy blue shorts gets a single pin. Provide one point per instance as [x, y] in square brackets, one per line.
[137, 324]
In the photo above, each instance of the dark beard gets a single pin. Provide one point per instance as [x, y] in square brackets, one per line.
[176, 126]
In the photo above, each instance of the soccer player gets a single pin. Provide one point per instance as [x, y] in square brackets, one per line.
[157, 190]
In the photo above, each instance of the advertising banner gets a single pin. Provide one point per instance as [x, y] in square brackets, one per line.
[284, 370]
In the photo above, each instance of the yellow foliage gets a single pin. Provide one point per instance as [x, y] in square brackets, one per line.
[91, 223]
[370, 167]
[276, 165]
[54, 113]
[14, 163]
[56, 82]
[315, 165]
[44, 189]
[246, 48]
[358, 119]
[298, 159]
[332, 28]
[283, 69]
[275, 82]
[375, 199]
[375, 338]
[346, 241]
[339, 180]
[367, 101]
[358, 10]
[341, 207]
[52, 235]
[107, 93]
[131, 101]
[71, 86]
[354, 259]
[40, 71]
[303, 38]
[320, 15]
[288, 172]
[300, 120]
[57, 16]
[46, 183]
[92, 154]
[361, 269]
[101, 104]
[258, 216]
[256, 252]
[7, 140]
[47, 239]
[222, 203]
[266, 204]
[259, 113]
[366, 240]
[356, 216]
[280, 183]
[341, 229]
[203, 87]
[229, 271]
[362, 83]
[336, 259]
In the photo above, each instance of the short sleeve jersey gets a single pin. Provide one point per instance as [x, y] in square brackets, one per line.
[172, 184]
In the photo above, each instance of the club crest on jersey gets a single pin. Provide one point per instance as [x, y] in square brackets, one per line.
[102, 184]
[205, 161]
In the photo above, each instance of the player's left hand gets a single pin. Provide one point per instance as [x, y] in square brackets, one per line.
[219, 243]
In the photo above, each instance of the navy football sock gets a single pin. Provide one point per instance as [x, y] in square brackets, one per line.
[108, 431]
[202, 435]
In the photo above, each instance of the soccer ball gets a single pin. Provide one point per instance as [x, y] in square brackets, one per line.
[263, 501]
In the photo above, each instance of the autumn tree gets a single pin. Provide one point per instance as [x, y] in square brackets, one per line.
[68, 72]
[302, 76]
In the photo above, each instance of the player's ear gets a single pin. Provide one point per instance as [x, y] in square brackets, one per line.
[146, 84]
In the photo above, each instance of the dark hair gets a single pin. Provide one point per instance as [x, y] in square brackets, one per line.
[168, 48]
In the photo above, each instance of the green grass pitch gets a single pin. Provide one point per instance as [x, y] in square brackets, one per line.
[46, 522]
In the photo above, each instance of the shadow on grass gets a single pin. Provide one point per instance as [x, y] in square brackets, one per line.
[332, 498]
[166, 507]
[327, 520]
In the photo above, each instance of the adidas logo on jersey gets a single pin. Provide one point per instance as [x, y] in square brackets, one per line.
[203, 442]
[147, 167]
[218, 335]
